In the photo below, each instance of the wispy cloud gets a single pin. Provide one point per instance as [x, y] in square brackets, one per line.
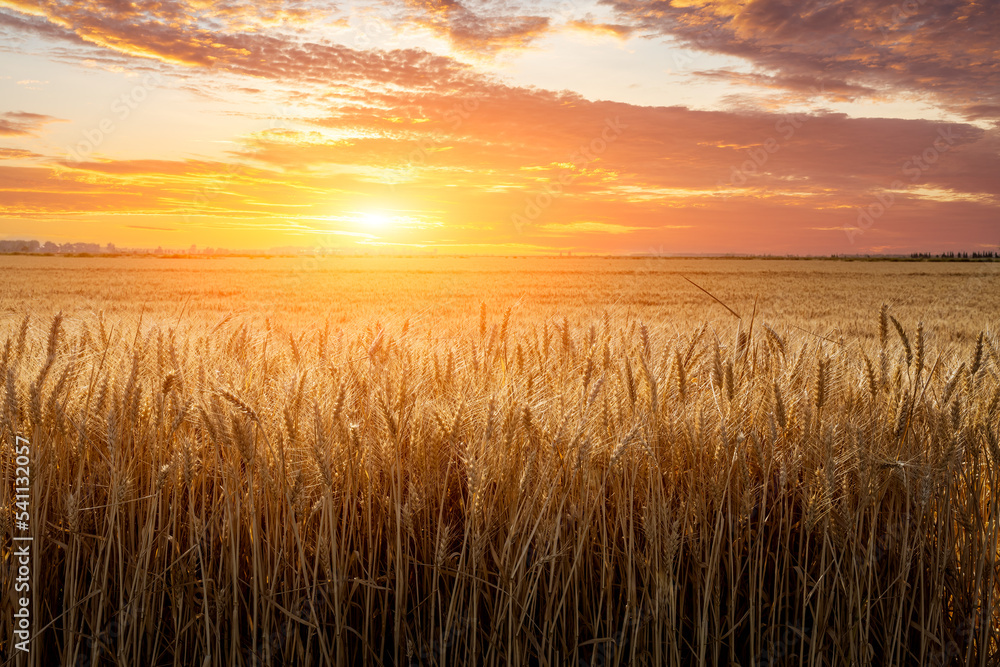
[23, 123]
[442, 133]
[945, 49]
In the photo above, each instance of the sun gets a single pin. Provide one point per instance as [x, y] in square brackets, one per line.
[375, 221]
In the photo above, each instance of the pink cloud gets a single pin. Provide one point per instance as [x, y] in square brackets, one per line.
[23, 123]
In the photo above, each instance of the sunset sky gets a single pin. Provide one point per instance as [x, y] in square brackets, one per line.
[618, 126]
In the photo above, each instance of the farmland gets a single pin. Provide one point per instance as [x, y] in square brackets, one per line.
[956, 300]
[506, 461]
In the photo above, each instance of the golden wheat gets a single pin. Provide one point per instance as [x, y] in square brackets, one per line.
[515, 493]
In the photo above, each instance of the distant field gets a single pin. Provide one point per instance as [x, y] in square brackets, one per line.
[503, 461]
[955, 300]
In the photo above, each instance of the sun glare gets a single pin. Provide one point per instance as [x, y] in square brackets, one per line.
[374, 221]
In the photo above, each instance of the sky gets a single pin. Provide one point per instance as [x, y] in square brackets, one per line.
[504, 127]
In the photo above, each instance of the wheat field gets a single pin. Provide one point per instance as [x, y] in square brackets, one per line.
[507, 480]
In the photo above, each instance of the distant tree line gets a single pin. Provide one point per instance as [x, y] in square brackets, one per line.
[988, 254]
[19, 245]
[48, 247]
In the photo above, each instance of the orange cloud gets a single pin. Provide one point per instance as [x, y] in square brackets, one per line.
[947, 49]
[489, 29]
[696, 179]
[172, 33]
[17, 154]
[413, 136]
[618, 30]
[23, 123]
